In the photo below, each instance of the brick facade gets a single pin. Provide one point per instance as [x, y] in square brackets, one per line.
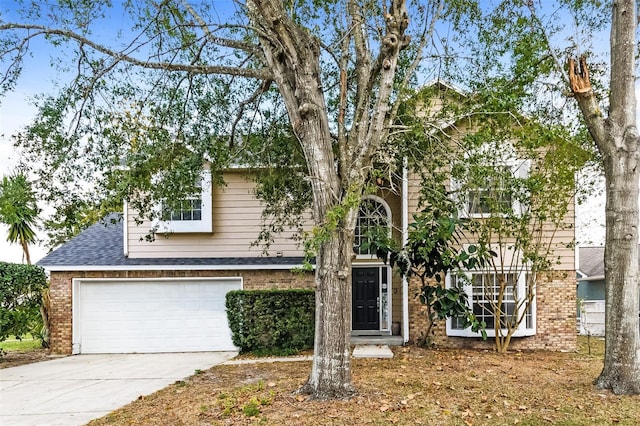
[61, 315]
[555, 317]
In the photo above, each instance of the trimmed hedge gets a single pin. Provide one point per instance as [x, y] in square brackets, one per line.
[272, 322]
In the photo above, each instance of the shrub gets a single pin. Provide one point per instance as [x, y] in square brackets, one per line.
[21, 290]
[272, 322]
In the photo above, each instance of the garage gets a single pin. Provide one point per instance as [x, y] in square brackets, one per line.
[151, 315]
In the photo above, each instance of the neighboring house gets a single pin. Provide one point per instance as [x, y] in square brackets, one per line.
[113, 291]
[591, 290]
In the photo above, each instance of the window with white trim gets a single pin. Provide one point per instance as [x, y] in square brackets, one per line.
[193, 214]
[484, 290]
[374, 215]
[490, 186]
[493, 196]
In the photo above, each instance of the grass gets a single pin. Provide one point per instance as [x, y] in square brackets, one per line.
[417, 386]
[27, 343]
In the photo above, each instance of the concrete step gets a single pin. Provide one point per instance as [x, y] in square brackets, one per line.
[372, 351]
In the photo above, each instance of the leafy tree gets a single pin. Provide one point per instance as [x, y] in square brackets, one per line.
[519, 191]
[19, 211]
[188, 84]
[518, 51]
[21, 290]
[511, 180]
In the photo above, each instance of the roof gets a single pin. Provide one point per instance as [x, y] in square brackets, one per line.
[591, 262]
[101, 247]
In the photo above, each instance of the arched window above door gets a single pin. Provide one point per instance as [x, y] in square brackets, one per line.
[374, 216]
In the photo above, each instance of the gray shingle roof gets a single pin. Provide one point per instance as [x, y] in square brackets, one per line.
[591, 261]
[102, 244]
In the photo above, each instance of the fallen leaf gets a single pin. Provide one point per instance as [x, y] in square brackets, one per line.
[384, 408]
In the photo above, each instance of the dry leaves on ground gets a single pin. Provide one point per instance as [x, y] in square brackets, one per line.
[430, 387]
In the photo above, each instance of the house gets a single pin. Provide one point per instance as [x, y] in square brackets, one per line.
[114, 291]
[591, 290]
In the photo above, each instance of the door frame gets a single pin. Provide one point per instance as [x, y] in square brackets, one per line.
[385, 294]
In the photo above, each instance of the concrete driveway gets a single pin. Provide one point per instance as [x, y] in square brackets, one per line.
[76, 389]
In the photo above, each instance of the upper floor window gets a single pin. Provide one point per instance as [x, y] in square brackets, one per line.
[192, 214]
[490, 184]
[492, 195]
[374, 216]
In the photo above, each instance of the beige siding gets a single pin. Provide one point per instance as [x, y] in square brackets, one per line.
[236, 224]
[560, 239]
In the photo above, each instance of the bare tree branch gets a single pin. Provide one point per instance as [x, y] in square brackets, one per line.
[261, 74]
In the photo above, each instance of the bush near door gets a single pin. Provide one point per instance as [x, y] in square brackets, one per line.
[271, 322]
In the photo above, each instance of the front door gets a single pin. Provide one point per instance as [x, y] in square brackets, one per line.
[366, 298]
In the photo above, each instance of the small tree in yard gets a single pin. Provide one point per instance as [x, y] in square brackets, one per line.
[19, 211]
[519, 52]
[510, 179]
[433, 251]
[516, 194]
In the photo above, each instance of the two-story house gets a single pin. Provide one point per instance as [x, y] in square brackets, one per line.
[112, 291]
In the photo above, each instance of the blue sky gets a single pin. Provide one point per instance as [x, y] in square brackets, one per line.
[17, 110]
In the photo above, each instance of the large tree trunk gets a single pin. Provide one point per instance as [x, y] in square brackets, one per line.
[619, 143]
[621, 372]
[295, 62]
[331, 371]
[292, 54]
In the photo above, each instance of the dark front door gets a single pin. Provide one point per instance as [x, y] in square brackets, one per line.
[366, 299]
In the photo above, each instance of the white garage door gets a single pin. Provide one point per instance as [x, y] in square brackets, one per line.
[142, 316]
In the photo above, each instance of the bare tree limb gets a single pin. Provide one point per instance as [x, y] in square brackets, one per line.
[261, 74]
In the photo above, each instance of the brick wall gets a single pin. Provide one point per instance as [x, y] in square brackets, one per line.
[61, 314]
[555, 317]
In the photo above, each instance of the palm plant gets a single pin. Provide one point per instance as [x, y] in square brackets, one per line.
[19, 210]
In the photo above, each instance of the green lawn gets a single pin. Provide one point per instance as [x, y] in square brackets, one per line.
[28, 343]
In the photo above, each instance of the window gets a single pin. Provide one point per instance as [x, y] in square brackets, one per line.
[194, 214]
[493, 195]
[190, 209]
[374, 216]
[489, 183]
[483, 291]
